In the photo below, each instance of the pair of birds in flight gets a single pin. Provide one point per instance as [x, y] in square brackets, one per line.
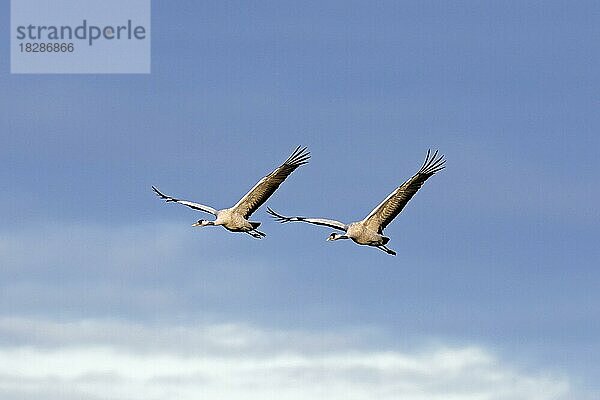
[368, 231]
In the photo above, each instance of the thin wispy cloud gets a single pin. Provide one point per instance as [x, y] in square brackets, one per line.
[94, 358]
[116, 360]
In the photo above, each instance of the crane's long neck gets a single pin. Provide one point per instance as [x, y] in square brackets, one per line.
[203, 222]
[337, 236]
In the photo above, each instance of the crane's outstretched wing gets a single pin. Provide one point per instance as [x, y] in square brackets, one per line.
[316, 221]
[389, 208]
[195, 206]
[269, 184]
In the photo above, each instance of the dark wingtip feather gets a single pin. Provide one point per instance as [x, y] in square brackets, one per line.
[426, 160]
[157, 192]
[163, 196]
[300, 156]
[277, 217]
[433, 163]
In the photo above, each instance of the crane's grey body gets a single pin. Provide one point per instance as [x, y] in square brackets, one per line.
[360, 233]
[235, 219]
[369, 231]
[231, 220]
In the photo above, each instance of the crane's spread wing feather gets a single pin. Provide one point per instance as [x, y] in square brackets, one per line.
[389, 208]
[195, 206]
[269, 184]
[316, 221]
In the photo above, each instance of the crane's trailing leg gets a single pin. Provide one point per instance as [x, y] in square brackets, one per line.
[387, 250]
[256, 234]
[262, 234]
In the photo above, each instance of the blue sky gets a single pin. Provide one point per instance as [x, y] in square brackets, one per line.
[497, 254]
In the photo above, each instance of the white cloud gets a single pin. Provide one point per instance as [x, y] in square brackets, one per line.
[98, 359]
[147, 268]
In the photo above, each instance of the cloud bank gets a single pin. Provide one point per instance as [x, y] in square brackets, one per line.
[110, 360]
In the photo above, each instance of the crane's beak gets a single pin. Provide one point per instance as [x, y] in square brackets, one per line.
[328, 239]
[196, 224]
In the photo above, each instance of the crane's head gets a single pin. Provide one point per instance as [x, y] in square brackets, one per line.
[336, 236]
[202, 222]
